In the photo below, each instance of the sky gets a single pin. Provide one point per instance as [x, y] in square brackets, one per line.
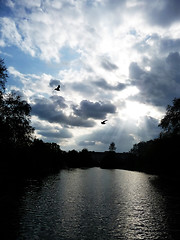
[114, 59]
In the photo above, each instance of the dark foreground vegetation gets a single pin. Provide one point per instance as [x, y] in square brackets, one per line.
[22, 155]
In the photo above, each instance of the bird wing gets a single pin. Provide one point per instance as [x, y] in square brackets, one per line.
[103, 122]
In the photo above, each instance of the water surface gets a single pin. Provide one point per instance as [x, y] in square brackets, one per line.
[93, 204]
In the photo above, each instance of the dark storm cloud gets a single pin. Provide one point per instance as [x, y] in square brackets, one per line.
[59, 101]
[80, 122]
[47, 110]
[160, 85]
[102, 83]
[64, 133]
[168, 44]
[107, 65]
[98, 87]
[49, 132]
[135, 71]
[97, 110]
[162, 13]
[54, 83]
[173, 60]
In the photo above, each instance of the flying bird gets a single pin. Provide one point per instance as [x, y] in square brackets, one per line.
[57, 88]
[104, 122]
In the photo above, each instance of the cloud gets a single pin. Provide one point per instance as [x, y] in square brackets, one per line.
[59, 101]
[82, 26]
[64, 133]
[54, 83]
[157, 12]
[159, 85]
[50, 132]
[93, 87]
[49, 110]
[107, 65]
[102, 83]
[31, 84]
[33, 29]
[173, 60]
[88, 26]
[97, 110]
[155, 44]
[84, 88]
[168, 45]
[9, 31]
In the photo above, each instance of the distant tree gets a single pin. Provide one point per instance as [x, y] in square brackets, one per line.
[55, 147]
[72, 159]
[138, 148]
[171, 121]
[85, 150]
[85, 159]
[112, 147]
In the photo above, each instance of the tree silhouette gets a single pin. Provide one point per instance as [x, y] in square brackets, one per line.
[15, 120]
[15, 129]
[112, 147]
[161, 155]
[171, 122]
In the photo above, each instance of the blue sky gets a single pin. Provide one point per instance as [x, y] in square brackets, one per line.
[115, 60]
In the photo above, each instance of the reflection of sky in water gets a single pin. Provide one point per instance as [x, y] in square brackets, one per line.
[93, 204]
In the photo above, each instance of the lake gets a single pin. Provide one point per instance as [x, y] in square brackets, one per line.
[92, 204]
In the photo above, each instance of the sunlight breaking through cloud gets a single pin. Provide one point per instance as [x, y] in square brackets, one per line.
[121, 53]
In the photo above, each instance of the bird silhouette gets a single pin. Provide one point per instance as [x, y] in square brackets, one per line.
[57, 88]
[104, 122]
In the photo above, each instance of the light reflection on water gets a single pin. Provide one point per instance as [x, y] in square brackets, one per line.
[95, 204]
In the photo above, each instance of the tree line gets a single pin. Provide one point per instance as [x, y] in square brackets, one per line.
[22, 154]
[157, 156]
[161, 155]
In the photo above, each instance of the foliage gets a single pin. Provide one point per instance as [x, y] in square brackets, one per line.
[161, 155]
[82, 159]
[15, 121]
[171, 121]
[45, 157]
[109, 160]
[15, 129]
[112, 147]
